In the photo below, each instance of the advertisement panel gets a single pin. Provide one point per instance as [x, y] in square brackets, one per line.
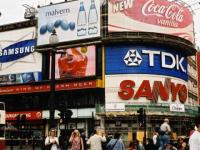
[151, 16]
[19, 61]
[141, 89]
[73, 20]
[145, 60]
[76, 62]
[30, 115]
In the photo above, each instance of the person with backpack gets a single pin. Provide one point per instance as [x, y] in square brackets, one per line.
[116, 143]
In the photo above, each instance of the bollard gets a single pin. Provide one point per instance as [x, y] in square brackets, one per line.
[11, 143]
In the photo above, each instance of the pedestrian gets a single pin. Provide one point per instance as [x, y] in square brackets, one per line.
[139, 145]
[51, 141]
[155, 137]
[164, 131]
[95, 141]
[194, 140]
[116, 143]
[150, 145]
[63, 141]
[76, 141]
[132, 146]
[84, 138]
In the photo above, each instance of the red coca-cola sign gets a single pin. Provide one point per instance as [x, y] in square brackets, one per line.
[151, 16]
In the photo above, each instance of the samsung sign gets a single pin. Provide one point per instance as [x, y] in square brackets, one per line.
[146, 60]
[17, 50]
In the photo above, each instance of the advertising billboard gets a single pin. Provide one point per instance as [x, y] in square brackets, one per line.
[19, 61]
[73, 20]
[151, 16]
[76, 62]
[145, 60]
[140, 89]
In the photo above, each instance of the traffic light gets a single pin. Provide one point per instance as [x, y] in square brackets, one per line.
[68, 114]
[62, 116]
[141, 117]
[65, 114]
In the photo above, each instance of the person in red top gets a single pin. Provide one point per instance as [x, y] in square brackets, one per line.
[76, 141]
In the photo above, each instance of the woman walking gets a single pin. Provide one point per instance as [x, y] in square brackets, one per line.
[76, 141]
[51, 141]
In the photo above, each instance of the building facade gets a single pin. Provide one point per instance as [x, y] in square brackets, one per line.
[111, 61]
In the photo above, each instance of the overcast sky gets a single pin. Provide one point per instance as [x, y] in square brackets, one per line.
[13, 11]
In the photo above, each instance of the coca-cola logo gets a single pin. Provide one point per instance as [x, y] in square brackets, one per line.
[173, 11]
[156, 12]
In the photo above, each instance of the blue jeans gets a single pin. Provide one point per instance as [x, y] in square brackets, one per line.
[164, 141]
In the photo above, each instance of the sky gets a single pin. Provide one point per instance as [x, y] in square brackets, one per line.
[15, 12]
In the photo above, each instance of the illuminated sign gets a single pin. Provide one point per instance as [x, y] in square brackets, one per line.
[17, 50]
[151, 16]
[163, 90]
[74, 20]
[143, 88]
[19, 61]
[145, 60]
[76, 62]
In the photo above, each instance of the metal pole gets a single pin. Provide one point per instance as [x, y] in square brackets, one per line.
[145, 128]
[52, 90]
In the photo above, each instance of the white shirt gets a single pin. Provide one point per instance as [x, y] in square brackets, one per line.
[52, 140]
[165, 127]
[155, 139]
[194, 141]
[95, 142]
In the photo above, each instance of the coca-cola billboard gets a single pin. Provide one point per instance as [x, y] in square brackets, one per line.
[151, 16]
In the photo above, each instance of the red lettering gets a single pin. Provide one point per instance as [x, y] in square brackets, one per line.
[161, 90]
[126, 89]
[175, 90]
[144, 90]
[183, 94]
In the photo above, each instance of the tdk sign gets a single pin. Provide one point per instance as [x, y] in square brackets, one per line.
[133, 58]
[146, 60]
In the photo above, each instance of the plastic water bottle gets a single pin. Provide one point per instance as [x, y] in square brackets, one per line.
[92, 19]
[81, 21]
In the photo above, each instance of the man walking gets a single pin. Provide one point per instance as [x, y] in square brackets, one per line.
[164, 134]
[95, 141]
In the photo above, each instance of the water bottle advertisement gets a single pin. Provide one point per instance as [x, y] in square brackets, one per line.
[19, 63]
[72, 21]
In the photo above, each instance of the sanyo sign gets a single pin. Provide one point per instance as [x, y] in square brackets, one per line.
[146, 60]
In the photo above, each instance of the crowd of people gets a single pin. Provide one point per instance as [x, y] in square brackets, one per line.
[100, 141]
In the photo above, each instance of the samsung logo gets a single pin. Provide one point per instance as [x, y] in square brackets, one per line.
[17, 50]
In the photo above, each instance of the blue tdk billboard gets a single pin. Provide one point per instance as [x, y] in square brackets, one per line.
[145, 60]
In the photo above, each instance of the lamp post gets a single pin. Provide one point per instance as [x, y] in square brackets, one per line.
[53, 39]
